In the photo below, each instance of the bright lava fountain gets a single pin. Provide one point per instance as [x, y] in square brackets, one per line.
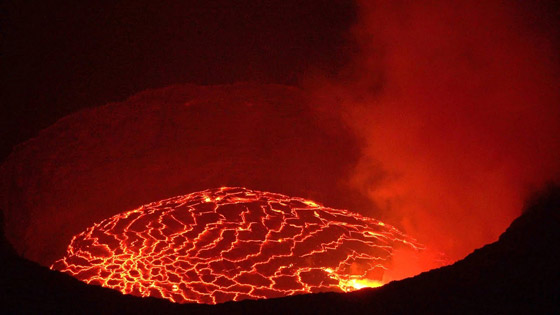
[229, 244]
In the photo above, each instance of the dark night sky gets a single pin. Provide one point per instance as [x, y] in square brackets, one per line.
[60, 56]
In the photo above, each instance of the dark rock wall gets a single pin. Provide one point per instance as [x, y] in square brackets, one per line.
[161, 143]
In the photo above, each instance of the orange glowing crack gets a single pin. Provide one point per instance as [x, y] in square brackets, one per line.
[230, 244]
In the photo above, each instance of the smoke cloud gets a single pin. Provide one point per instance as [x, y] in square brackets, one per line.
[457, 105]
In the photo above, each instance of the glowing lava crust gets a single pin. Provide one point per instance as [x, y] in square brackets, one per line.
[232, 244]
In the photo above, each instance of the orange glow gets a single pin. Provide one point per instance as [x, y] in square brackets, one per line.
[353, 283]
[232, 244]
[357, 284]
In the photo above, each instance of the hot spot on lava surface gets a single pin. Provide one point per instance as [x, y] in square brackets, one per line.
[230, 244]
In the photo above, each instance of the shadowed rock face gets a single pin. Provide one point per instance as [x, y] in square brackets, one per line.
[160, 143]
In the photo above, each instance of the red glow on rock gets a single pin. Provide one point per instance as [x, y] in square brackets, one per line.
[230, 244]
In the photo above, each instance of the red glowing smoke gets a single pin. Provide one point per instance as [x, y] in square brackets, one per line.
[457, 103]
[233, 244]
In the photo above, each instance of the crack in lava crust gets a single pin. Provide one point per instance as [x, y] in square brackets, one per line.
[229, 244]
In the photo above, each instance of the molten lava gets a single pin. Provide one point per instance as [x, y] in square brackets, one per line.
[230, 244]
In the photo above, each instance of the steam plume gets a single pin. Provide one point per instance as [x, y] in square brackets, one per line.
[457, 104]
